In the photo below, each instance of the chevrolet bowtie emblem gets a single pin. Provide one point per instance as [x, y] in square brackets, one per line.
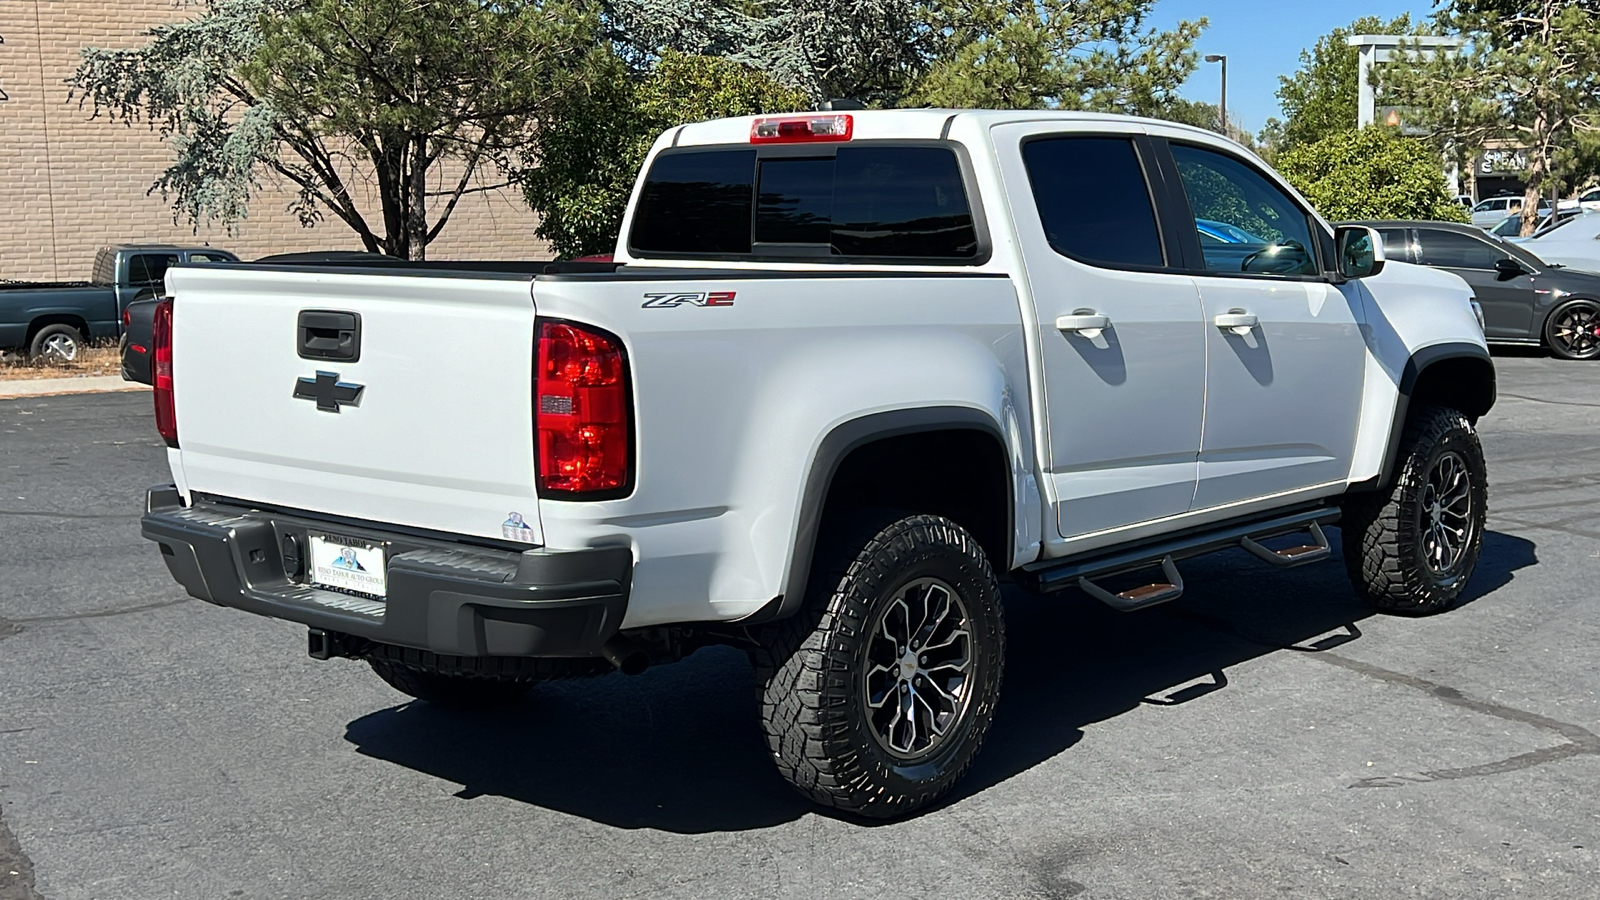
[329, 392]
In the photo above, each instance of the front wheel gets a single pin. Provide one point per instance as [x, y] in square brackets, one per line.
[877, 696]
[1412, 548]
[1573, 330]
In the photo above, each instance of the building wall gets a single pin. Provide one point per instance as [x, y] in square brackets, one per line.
[70, 184]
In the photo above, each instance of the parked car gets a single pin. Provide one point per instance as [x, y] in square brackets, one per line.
[1492, 211]
[1511, 227]
[52, 320]
[1576, 244]
[846, 371]
[1524, 299]
[1222, 232]
[1587, 200]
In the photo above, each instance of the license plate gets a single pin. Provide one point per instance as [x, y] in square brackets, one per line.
[348, 564]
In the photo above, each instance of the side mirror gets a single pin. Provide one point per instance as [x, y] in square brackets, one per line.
[1509, 268]
[1359, 251]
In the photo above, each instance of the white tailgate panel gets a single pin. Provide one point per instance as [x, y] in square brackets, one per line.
[442, 438]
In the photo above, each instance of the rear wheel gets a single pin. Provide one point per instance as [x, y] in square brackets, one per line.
[55, 344]
[1573, 330]
[1412, 548]
[878, 695]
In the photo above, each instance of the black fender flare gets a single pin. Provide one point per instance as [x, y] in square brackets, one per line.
[838, 444]
[1419, 362]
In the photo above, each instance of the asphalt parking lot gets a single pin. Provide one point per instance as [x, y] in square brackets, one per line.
[1265, 736]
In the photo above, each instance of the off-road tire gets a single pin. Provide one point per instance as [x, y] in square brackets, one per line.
[1384, 531]
[40, 349]
[812, 669]
[471, 682]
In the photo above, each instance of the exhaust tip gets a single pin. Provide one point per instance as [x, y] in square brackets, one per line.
[625, 655]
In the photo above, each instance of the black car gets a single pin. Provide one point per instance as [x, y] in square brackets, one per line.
[1525, 300]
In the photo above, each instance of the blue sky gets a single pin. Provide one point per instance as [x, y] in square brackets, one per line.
[1262, 40]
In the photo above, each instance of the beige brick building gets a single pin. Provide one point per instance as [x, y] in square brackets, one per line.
[69, 184]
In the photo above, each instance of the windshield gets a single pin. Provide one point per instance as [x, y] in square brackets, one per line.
[1510, 226]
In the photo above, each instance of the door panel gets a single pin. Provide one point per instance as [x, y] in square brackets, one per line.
[1124, 400]
[1285, 357]
[1283, 399]
[1507, 302]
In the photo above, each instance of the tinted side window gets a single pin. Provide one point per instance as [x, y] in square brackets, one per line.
[696, 203]
[1223, 189]
[1093, 200]
[1395, 244]
[208, 258]
[149, 268]
[1456, 251]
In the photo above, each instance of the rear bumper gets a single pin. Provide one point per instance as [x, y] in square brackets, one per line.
[448, 598]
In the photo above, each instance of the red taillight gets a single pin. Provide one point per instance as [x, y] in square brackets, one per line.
[581, 411]
[127, 318]
[801, 129]
[161, 372]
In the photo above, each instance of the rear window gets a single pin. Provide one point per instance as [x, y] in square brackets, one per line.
[150, 268]
[901, 202]
[696, 203]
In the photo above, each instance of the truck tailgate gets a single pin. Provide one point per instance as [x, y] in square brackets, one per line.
[439, 437]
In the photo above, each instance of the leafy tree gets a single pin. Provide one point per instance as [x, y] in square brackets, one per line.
[868, 50]
[343, 98]
[1074, 54]
[1530, 76]
[1321, 97]
[1190, 112]
[590, 149]
[1371, 174]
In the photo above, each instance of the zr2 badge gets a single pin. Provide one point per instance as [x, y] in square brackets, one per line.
[688, 298]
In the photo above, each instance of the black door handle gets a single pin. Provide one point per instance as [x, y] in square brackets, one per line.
[326, 334]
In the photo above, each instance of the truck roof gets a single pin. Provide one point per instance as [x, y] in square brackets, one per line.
[158, 245]
[913, 124]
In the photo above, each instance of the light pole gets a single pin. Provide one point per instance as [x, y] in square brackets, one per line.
[1223, 109]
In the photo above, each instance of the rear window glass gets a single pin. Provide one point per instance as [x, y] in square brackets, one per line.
[149, 268]
[696, 203]
[891, 202]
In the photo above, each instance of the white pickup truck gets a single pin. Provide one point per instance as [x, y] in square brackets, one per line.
[848, 374]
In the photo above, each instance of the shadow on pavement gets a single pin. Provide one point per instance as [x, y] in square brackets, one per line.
[679, 748]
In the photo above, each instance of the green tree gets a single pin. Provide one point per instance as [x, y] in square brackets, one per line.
[1529, 76]
[585, 159]
[413, 101]
[1371, 174]
[867, 50]
[1320, 98]
[1072, 54]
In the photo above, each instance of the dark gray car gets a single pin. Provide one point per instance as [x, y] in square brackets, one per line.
[1525, 300]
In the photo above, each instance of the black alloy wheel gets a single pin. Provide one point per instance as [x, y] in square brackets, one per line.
[1573, 330]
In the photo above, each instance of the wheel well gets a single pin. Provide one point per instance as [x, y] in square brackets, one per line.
[1462, 382]
[43, 322]
[960, 474]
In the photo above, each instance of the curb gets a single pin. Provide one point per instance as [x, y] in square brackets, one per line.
[52, 387]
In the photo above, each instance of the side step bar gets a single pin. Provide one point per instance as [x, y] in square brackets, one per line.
[1079, 571]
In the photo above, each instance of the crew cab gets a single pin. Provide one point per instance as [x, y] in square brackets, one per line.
[52, 320]
[846, 373]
